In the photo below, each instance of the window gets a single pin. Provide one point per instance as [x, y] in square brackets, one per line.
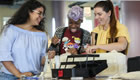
[87, 25]
[5, 19]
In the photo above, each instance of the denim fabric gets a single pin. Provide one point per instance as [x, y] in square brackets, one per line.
[4, 76]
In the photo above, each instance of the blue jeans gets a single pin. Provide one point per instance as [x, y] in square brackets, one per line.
[4, 76]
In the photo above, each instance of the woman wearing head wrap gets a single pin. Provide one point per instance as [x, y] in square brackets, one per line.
[109, 34]
[72, 32]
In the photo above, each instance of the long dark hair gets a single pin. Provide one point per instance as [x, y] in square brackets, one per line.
[22, 15]
[108, 6]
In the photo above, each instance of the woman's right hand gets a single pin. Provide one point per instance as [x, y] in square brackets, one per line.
[11, 68]
[91, 49]
[55, 40]
[28, 74]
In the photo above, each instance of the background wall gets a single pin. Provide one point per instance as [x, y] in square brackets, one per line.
[5, 11]
[131, 18]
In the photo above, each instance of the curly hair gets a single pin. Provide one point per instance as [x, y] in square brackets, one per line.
[22, 15]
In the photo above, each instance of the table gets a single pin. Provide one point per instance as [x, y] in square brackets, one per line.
[82, 79]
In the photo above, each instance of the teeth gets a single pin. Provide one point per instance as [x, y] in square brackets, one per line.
[73, 30]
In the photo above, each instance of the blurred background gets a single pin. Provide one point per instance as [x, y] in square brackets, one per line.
[127, 12]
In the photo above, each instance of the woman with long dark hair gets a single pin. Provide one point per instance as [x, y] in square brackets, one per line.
[109, 34]
[23, 42]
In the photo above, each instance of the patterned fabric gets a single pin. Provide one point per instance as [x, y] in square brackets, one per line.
[75, 13]
[86, 39]
[70, 42]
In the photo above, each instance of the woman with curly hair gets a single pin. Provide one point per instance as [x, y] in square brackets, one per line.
[23, 42]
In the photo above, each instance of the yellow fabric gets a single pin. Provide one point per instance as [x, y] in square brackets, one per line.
[103, 35]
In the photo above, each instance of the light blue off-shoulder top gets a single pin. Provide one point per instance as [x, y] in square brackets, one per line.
[24, 48]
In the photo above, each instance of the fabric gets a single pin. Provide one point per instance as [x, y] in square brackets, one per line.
[4, 76]
[86, 38]
[103, 36]
[71, 39]
[24, 48]
[127, 76]
[133, 64]
[116, 63]
[75, 13]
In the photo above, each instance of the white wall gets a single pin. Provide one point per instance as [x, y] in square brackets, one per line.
[131, 18]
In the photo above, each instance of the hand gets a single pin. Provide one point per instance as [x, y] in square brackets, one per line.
[91, 49]
[55, 40]
[25, 73]
[72, 51]
[51, 54]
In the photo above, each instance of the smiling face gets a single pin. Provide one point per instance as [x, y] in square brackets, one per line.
[74, 25]
[101, 16]
[36, 16]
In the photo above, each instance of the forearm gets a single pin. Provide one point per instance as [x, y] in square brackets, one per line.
[113, 46]
[43, 61]
[11, 68]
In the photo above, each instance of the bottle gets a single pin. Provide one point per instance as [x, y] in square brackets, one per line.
[57, 61]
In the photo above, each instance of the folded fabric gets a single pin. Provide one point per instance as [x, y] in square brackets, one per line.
[130, 75]
[116, 63]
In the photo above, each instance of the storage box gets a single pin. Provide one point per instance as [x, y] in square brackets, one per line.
[81, 69]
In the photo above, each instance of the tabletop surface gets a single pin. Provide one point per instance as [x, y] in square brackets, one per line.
[85, 79]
